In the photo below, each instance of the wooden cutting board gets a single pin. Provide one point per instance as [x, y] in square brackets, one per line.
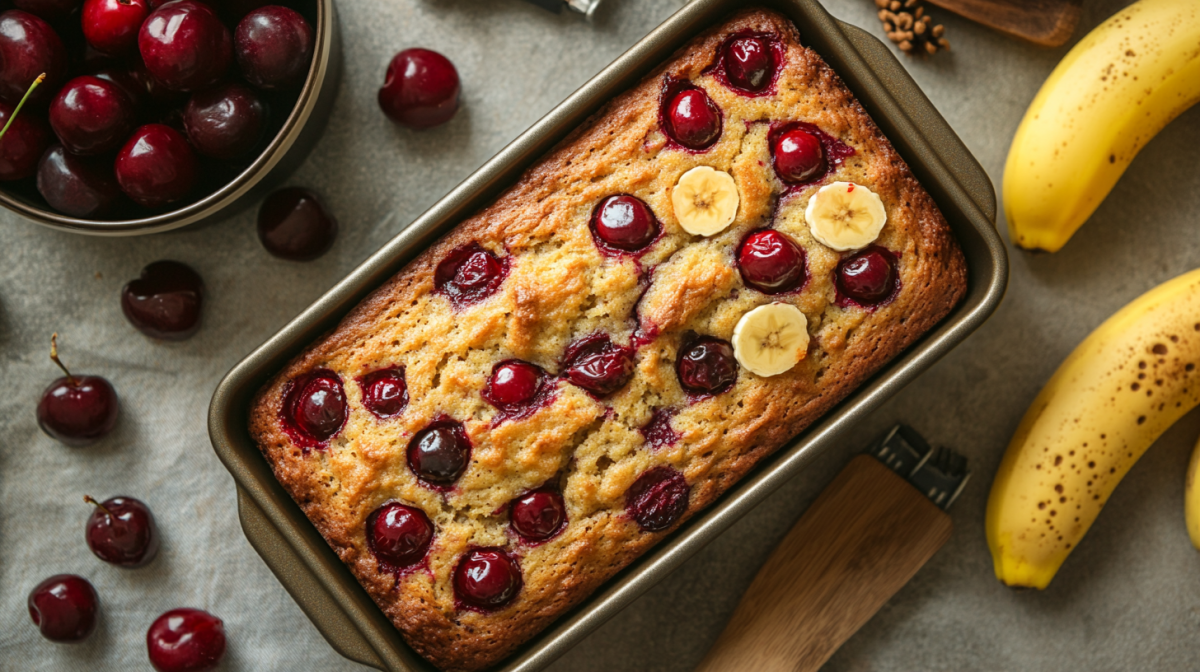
[1049, 23]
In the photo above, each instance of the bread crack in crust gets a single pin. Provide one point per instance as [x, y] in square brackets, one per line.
[553, 387]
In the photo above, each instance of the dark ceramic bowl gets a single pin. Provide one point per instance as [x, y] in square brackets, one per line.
[292, 134]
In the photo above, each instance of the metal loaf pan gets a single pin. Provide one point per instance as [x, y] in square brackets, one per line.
[324, 587]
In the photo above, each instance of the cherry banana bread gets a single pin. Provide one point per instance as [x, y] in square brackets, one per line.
[683, 285]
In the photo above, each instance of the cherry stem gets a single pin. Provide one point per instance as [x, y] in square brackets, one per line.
[92, 500]
[37, 80]
[56, 360]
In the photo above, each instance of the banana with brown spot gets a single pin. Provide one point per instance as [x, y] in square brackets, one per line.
[1116, 393]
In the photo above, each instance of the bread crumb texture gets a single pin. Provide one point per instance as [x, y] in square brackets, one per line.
[559, 288]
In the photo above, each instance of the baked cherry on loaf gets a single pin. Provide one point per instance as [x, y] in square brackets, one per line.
[678, 289]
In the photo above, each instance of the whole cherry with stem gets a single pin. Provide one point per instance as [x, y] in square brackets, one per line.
[121, 531]
[76, 410]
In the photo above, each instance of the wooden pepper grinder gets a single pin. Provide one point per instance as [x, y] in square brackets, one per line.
[863, 538]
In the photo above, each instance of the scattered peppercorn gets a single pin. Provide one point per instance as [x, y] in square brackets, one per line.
[906, 24]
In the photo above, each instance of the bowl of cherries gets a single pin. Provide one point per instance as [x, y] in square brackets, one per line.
[125, 117]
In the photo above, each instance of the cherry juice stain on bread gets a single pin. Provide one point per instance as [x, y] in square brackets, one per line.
[574, 388]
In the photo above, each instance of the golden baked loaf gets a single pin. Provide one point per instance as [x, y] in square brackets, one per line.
[556, 385]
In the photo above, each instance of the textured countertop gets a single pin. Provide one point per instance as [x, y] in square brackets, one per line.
[1128, 598]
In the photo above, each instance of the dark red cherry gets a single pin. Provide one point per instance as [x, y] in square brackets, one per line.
[657, 499]
[293, 225]
[315, 406]
[157, 93]
[224, 122]
[121, 531]
[538, 515]
[111, 26]
[749, 64]
[771, 262]
[384, 392]
[513, 384]
[798, 156]
[598, 365]
[694, 120]
[706, 366]
[399, 535]
[156, 167]
[64, 608]
[28, 48]
[421, 89]
[486, 579]
[440, 453]
[186, 640]
[185, 46]
[50, 10]
[23, 145]
[76, 410]
[91, 116]
[274, 47]
[624, 222]
[469, 274]
[129, 82]
[164, 302]
[658, 432]
[77, 186]
[868, 277]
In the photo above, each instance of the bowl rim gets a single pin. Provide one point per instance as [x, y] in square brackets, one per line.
[217, 201]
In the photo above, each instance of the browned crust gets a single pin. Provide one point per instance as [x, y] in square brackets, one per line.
[337, 488]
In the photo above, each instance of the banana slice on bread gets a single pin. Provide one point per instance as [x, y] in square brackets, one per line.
[845, 216]
[705, 201]
[771, 339]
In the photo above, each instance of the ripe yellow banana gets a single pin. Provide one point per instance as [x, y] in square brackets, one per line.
[1109, 96]
[1191, 498]
[1121, 388]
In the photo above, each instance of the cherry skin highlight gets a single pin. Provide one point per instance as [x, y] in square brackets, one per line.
[77, 186]
[868, 277]
[63, 607]
[487, 579]
[624, 222]
[91, 116]
[538, 515]
[694, 120]
[440, 453]
[316, 407]
[294, 225]
[513, 384]
[273, 46]
[469, 274]
[771, 262]
[76, 410]
[164, 301]
[185, 46]
[798, 156]
[224, 122]
[156, 167]
[749, 64]
[384, 392]
[111, 26]
[121, 531]
[399, 535]
[598, 365]
[28, 48]
[706, 366]
[421, 89]
[186, 640]
[657, 499]
[23, 145]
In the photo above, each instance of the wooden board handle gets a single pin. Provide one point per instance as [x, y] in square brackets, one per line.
[859, 543]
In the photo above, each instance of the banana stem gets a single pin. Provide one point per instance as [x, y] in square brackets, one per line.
[37, 80]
